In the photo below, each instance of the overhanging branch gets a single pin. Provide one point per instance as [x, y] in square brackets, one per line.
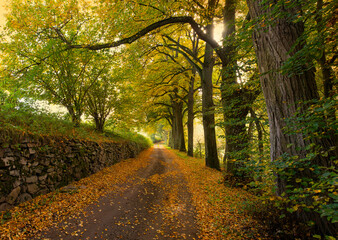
[144, 31]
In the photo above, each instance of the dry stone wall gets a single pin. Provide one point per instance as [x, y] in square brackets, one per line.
[31, 165]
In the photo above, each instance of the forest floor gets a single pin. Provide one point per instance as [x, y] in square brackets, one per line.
[161, 194]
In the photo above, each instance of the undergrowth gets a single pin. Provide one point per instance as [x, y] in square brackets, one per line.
[249, 208]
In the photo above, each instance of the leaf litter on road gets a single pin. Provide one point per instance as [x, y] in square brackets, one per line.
[191, 198]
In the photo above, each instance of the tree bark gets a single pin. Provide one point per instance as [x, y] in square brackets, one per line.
[170, 137]
[285, 93]
[327, 72]
[211, 157]
[175, 131]
[235, 101]
[191, 93]
[191, 115]
[259, 132]
[75, 116]
[179, 124]
[99, 123]
[178, 129]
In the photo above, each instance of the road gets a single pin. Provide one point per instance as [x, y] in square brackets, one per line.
[154, 205]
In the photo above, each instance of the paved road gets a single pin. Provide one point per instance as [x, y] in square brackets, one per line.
[156, 205]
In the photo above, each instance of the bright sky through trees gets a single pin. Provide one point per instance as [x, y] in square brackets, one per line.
[2, 13]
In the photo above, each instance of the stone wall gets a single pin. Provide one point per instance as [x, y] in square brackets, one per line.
[34, 165]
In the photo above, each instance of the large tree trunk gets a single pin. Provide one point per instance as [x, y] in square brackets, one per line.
[211, 157]
[175, 132]
[284, 93]
[99, 123]
[178, 130]
[234, 99]
[191, 93]
[179, 123]
[191, 115]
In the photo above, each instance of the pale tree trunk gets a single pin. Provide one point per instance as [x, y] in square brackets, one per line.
[274, 44]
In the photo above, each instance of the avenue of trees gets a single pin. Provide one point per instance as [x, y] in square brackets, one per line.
[269, 84]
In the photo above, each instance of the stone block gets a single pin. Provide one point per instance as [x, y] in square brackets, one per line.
[14, 173]
[8, 152]
[23, 161]
[43, 191]
[46, 162]
[4, 207]
[43, 178]
[32, 188]
[32, 179]
[24, 188]
[11, 198]
[24, 197]
[8, 161]
[25, 169]
[16, 183]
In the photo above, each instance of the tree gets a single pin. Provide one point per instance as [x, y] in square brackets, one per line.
[237, 97]
[277, 41]
[46, 69]
[106, 96]
[211, 156]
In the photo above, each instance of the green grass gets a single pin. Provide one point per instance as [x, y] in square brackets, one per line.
[32, 121]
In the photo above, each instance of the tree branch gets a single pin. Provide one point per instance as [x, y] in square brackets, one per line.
[143, 32]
